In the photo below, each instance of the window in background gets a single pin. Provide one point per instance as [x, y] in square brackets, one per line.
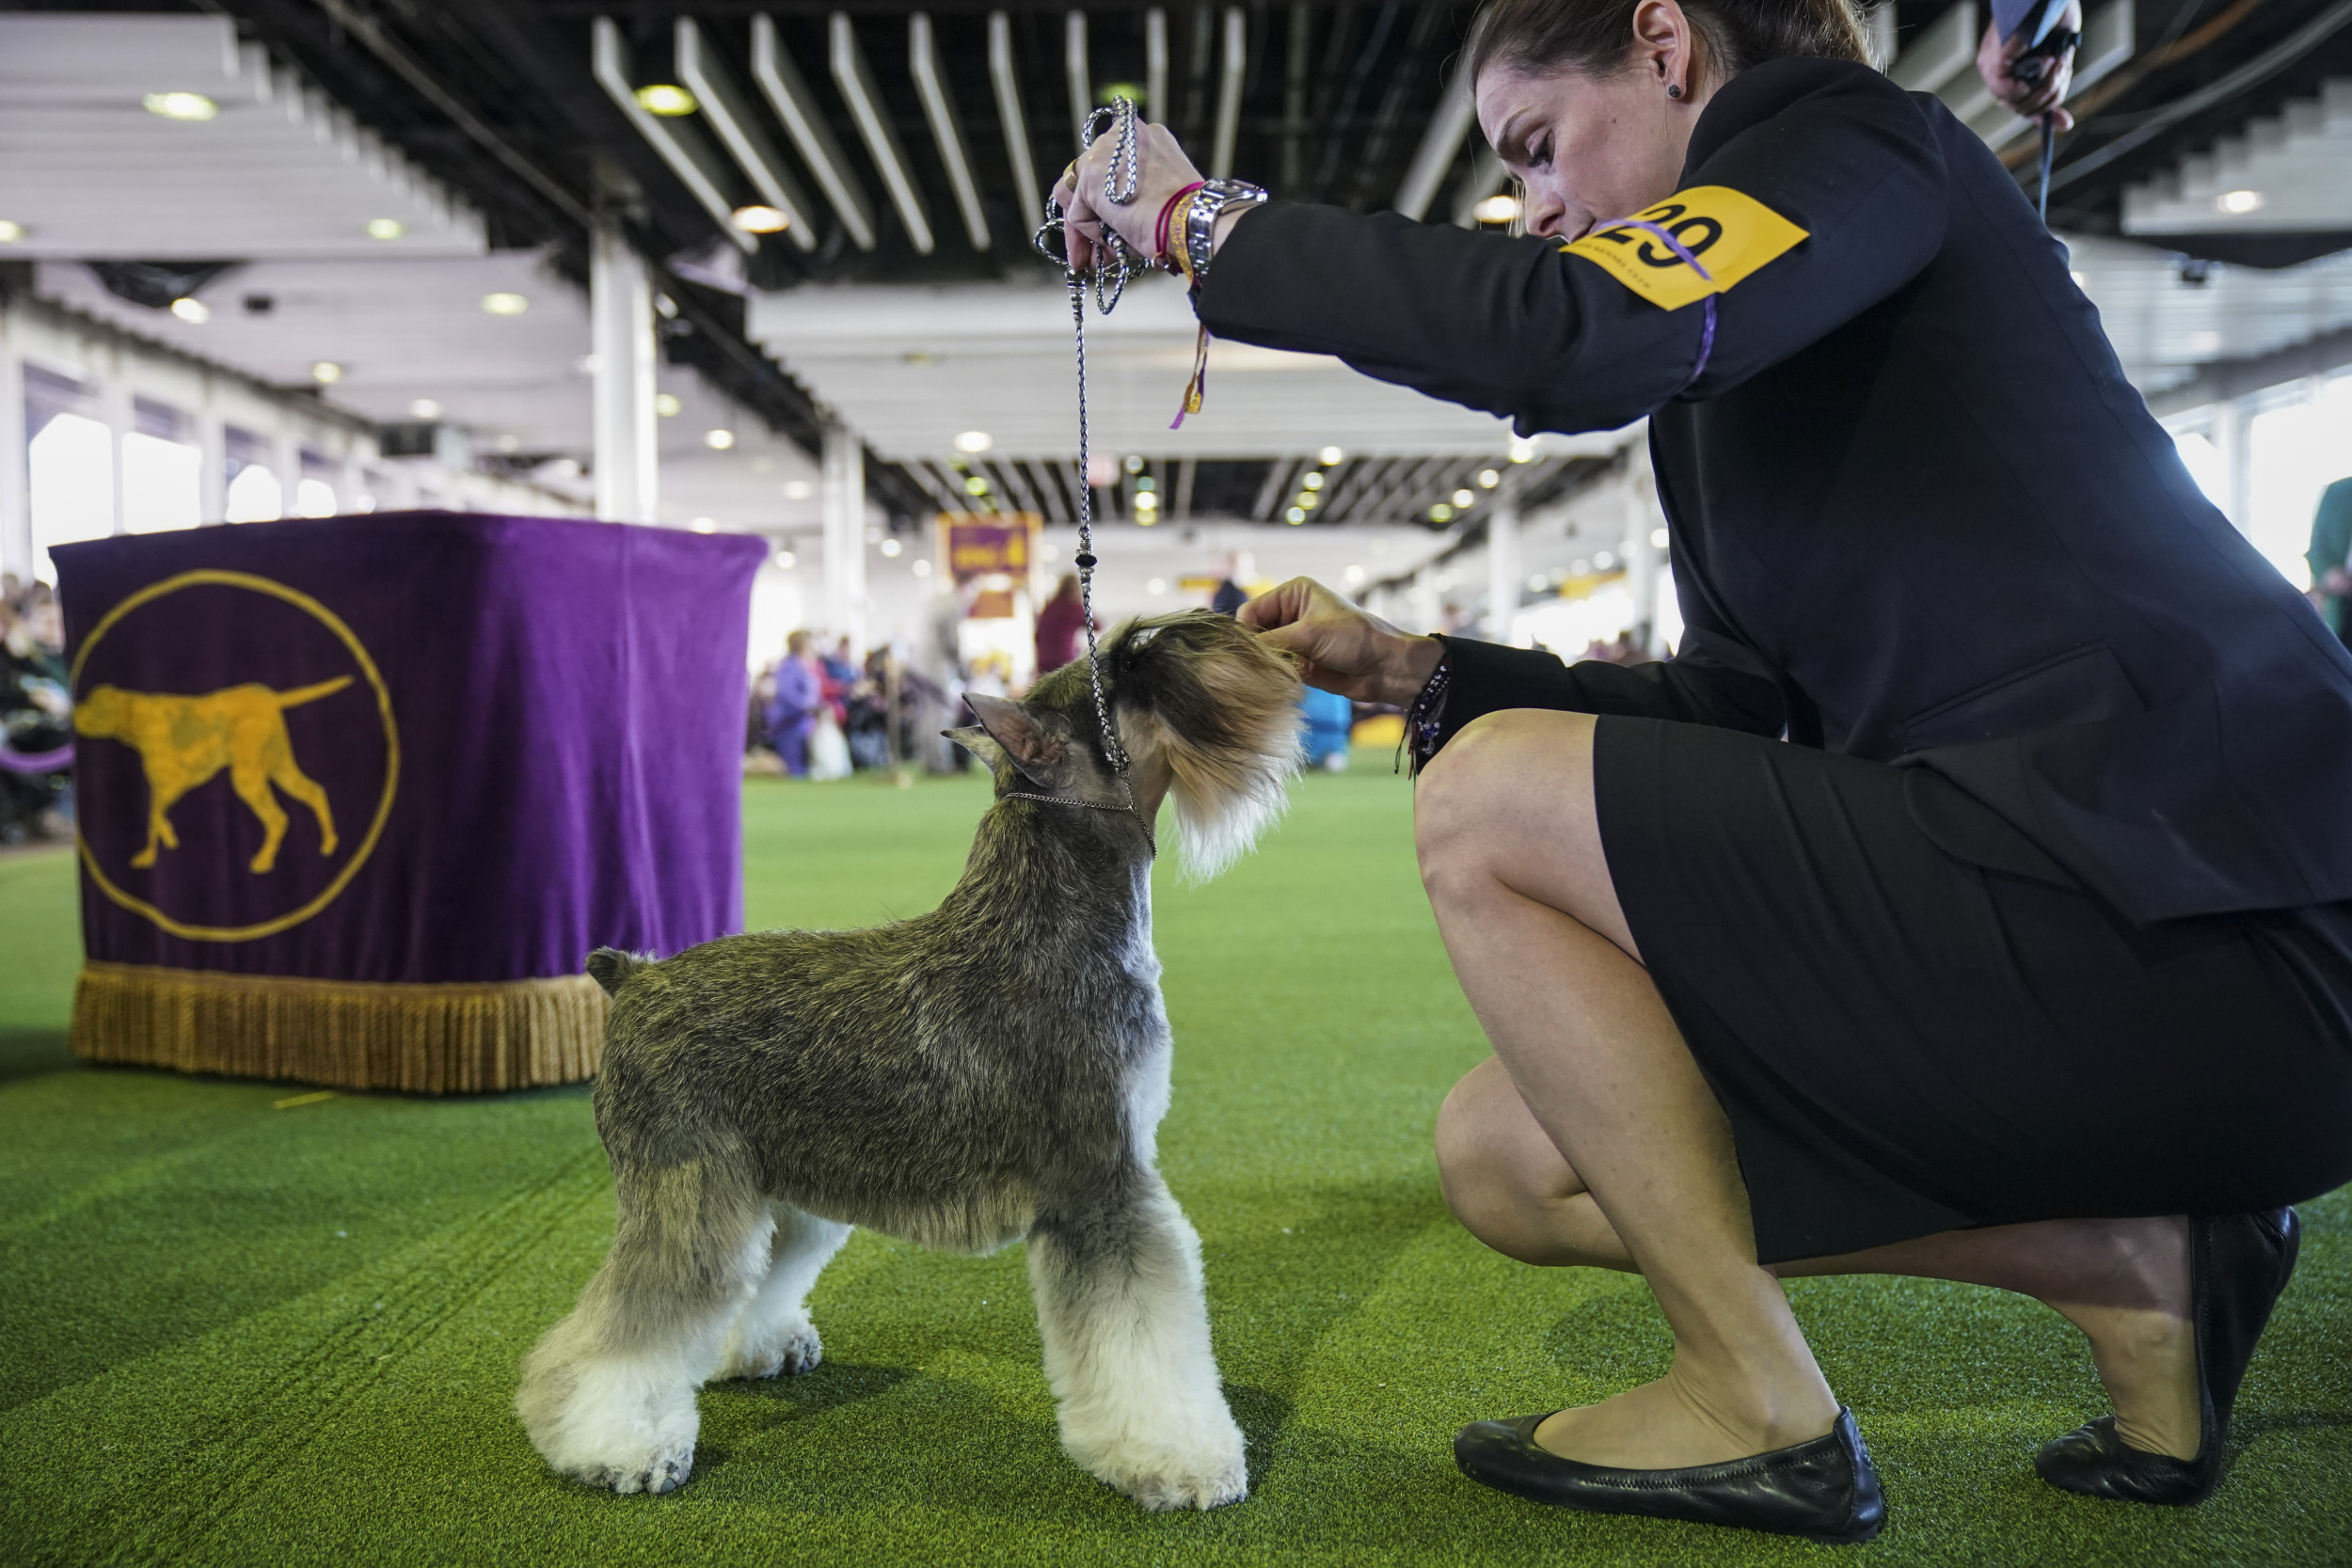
[314, 497]
[255, 493]
[2294, 451]
[70, 458]
[161, 470]
[2202, 460]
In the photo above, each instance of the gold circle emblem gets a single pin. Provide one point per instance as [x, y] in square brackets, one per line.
[342, 633]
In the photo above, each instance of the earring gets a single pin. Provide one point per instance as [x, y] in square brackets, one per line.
[1674, 90]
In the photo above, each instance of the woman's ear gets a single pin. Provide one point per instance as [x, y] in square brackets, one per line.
[1665, 47]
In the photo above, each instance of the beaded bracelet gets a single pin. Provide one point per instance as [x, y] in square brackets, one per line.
[1425, 719]
[1159, 241]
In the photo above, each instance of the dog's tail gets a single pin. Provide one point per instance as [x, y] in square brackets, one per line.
[302, 694]
[612, 968]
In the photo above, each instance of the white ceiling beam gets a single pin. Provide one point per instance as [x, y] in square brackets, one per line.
[1228, 92]
[787, 92]
[1947, 48]
[1486, 178]
[1081, 78]
[856, 79]
[1155, 66]
[1006, 78]
[939, 108]
[691, 160]
[730, 115]
[1447, 129]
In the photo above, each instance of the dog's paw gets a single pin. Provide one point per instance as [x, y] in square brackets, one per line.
[1209, 1472]
[785, 1350]
[660, 1472]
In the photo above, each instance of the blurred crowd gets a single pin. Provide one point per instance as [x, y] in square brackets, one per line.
[825, 714]
[36, 716]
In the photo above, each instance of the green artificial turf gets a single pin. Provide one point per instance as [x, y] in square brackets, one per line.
[231, 1333]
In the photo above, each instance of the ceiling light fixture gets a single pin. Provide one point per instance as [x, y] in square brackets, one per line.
[386, 229]
[1657, 539]
[1311, 482]
[761, 219]
[705, 525]
[12, 233]
[891, 547]
[189, 308]
[1441, 513]
[667, 405]
[505, 304]
[920, 565]
[798, 490]
[1488, 479]
[1604, 561]
[326, 372]
[976, 485]
[975, 440]
[719, 440]
[786, 561]
[1522, 450]
[1464, 498]
[2239, 203]
[1296, 516]
[179, 105]
[1498, 209]
[1333, 457]
[425, 409]
[667, 99]
[1156, 587]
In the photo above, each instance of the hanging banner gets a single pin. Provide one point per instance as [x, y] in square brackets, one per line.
[977, 544]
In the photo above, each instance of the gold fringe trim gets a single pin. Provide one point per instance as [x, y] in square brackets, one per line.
[459, 1038]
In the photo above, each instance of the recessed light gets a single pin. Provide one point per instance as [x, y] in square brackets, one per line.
[181, 105]
[326, 372]
[1311, 482]
[504, 304]
[718, 440]
[1604, 561]
[1333, 456]
[1488, 479]
[797, 489]
[1463, 497]
[976, 485]
[756, 219]
[1353, 576]
[189, 308]
[2238, 203]
[1537, 581]
[1497, 209]
[1522, 450]
[1657, 539]
[425, 409]
[975, 440]
[1294, 516]
[665, 98]
[1441, 513]
[704, 525]
[667, 405]
[12, 233]
[920, 566]
[386, 229]
[891, 548]
[1156, 586]
[786, 561]
[1309, 500]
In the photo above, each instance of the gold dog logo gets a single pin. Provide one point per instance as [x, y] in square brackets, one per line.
[185, 741]
[182, 741]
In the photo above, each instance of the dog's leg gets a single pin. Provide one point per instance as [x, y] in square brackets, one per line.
[298, 786]
[607, 1396]
[772, 1333]
[1126, 1331]
[253, 786]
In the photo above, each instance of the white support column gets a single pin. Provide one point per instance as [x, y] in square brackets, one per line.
[285, 456]
[2230, 439]
[1502, 568]
[16, 512]
[620, 308]
[1643, 559]
[114, 409]
[844, 503]
[212, 463]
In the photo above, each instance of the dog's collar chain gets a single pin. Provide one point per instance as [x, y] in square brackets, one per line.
[1127, 806]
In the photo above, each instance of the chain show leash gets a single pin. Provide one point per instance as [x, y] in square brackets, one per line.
[1121, 120]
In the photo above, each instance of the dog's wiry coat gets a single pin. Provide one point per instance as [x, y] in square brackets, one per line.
[991, 1070]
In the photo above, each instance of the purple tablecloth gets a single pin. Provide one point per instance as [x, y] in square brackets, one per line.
[526, 733]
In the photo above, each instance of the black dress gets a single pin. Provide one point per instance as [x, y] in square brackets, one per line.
[1986, 834]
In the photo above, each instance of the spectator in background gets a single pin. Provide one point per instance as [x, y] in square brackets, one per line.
[2330, 557]
[839, 671]
[1228, 598]
[1059, 625]
[792, 712]
[36, 717]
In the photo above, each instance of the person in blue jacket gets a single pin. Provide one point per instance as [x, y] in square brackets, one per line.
[1967, 898]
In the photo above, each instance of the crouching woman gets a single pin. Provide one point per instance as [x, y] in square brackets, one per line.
[1966, 899]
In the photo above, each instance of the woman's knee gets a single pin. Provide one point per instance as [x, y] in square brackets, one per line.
[1466, 796]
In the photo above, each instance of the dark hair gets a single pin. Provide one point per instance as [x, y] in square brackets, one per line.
[1596, 36]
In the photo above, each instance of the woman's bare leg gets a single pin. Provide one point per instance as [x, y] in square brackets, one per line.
[2125, 1283]
[1511, 856]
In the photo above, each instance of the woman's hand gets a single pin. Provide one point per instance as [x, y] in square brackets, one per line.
[1340, 647]
[2030, 100]
[1162, 171]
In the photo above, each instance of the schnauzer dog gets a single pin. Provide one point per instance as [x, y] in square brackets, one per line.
[992, 1070]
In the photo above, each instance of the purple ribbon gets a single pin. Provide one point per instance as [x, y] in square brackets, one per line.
[36, 762]
[1707, 330]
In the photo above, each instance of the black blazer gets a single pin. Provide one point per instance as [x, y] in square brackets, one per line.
[1917, 513]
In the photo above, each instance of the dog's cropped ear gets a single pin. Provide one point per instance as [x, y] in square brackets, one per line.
[1025, 739]
[978, 742]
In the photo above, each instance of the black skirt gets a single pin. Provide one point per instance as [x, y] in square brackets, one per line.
[1907, 1042]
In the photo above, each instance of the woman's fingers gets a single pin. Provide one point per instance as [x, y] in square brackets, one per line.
[1281, 606]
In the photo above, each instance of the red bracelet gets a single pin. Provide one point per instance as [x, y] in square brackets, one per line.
[1159, 237]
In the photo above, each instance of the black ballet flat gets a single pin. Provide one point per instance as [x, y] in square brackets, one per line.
[1825, 1490]
[2238, 1264]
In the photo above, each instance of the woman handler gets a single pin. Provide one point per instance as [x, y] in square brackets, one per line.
[1965, 898]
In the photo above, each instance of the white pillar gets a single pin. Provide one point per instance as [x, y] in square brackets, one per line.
[1502, 570]
[211, 463]
[16, 516]
[620, 308]
[844, 503]
[114, 409]
[1642, 558]
[285, 455]
[2230, 439]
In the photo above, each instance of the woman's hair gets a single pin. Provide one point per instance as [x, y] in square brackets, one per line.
[797, 643]
[1593, 37]
[1067, 589]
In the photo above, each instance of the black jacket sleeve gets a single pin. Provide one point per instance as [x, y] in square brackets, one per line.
[1712, 679]
[1526, 330]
